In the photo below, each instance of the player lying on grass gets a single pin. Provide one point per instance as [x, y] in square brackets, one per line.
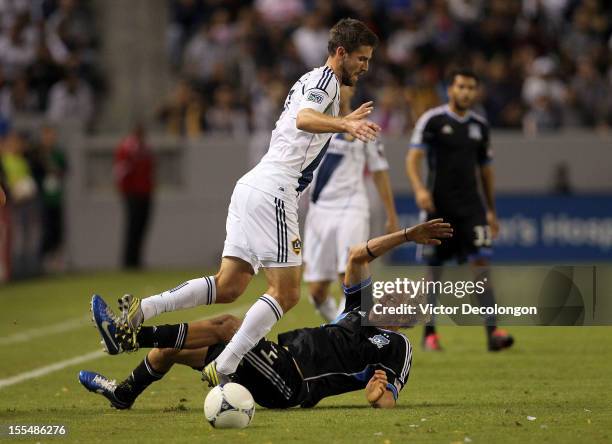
[306, 365]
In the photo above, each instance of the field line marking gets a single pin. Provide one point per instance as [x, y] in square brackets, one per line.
[47, 369]
[42, 371]
[62, 327]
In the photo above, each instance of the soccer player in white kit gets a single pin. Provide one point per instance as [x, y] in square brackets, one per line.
[339, 214]
[262, 221]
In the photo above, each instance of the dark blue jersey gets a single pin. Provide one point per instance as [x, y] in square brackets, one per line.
[341, 357]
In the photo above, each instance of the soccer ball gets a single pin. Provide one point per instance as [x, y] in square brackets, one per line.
[229, 406]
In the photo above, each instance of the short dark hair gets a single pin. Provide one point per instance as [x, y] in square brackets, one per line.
[350, 34]
[464, 72]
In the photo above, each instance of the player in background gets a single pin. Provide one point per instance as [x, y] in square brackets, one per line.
[262, 223]
[306, 365]
[455, 142]
[339, 215]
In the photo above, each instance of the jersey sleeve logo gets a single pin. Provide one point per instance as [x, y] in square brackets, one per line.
[475, 132]
[296, 244]
[379, 341]
[314, 97]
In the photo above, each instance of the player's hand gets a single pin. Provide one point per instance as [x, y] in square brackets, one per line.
[363, 130]
[430, 232]
[226, 326]
[362, 112]
[424, 200]
[357, 125]
[2, 197]
[377, 385]
[493, 223]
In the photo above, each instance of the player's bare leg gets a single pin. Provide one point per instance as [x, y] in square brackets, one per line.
[226, 286]
[497, 338]
[324, 303]
[283, 294]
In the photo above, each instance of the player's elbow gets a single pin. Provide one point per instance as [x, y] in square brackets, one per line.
[387, 401]
[357, 255]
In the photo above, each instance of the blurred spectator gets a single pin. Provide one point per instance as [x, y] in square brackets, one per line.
[526, 51]
[209, 49]
[49, 167]
[183, 112]
[69, 31]
[561, 180]
[17, 98]
[310, 40]
[391, 112]
[134, 175]
[71, 100]
[24, 209]
[224, 116]
[590, 94]
[502, 101]
[277, 13]
[268, 97]
[404, 42]
[545, 95]
[186, 17]
[18, 47]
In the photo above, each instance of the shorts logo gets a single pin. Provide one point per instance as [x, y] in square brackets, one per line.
[314, 97]
[474, 132]
[379, 341]
[296, 244]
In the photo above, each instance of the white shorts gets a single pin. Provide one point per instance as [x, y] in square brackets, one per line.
[328, 236]
[262, 230]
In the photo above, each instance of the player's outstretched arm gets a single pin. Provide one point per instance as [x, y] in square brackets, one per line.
[428, 233]
[355, 123]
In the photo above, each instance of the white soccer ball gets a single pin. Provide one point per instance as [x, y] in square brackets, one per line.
[230, 406]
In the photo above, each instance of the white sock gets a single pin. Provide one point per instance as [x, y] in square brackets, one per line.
[328, 309]
[201, 291]
[258, 321]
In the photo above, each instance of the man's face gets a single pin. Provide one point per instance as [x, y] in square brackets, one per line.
[463, 91]
[354, 64]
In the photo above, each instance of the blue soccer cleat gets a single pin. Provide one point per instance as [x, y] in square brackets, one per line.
[105, 321]
[96, 383]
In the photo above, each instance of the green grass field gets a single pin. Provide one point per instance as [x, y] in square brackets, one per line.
[559, 376]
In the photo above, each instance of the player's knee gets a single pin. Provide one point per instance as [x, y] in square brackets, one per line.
[355, 254]
[228, 290]
[163, 355]
[288, 298]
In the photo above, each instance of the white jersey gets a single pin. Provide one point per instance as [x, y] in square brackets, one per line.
[339, 183]
[288, 166]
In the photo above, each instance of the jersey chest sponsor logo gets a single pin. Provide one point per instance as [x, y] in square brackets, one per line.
[314, 97]
[296, 244]
[474, 132]
[379, 341]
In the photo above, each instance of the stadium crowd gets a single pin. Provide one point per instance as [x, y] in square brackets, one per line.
[48, 61]
[545, 64]
[49, 73]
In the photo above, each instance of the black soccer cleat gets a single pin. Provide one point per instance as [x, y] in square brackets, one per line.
[500, 340]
